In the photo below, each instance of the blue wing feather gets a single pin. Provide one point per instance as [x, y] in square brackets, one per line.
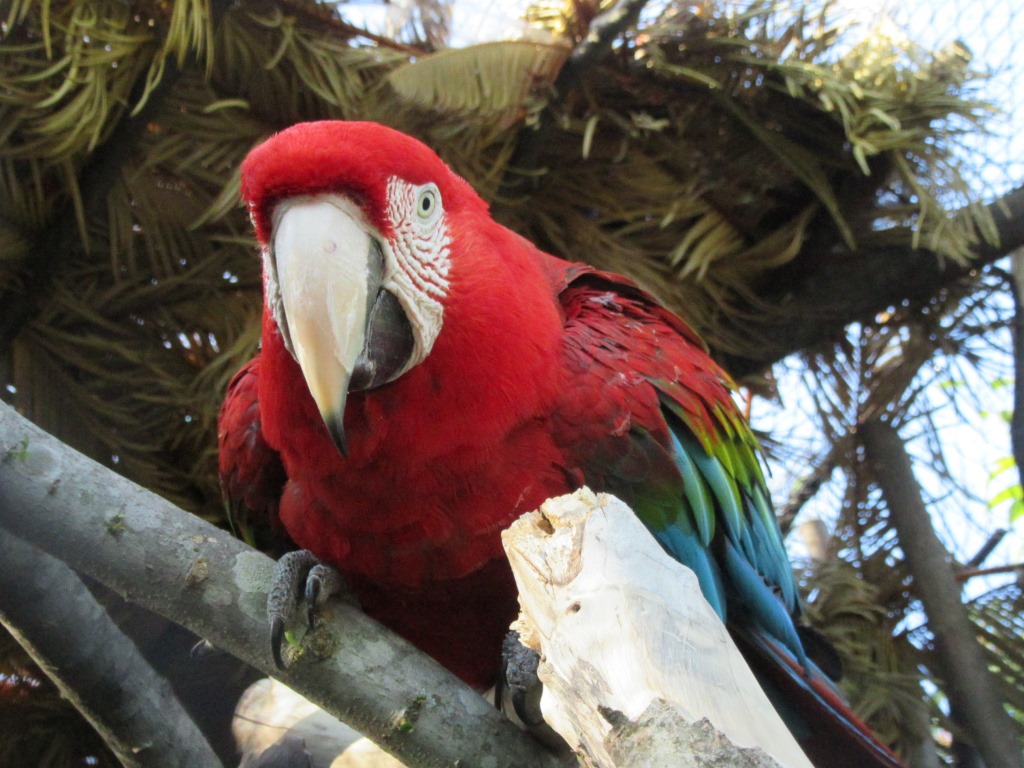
[687, 549]
[701, 507]
[746, 570]
[727, 496]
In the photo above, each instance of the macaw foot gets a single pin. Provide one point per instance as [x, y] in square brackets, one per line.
[298, 577]
[518, 693]
[519, 688]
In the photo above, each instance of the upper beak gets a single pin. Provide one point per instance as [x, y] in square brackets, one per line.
[323, 258]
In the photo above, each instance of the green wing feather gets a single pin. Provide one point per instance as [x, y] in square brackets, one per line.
[688, 464]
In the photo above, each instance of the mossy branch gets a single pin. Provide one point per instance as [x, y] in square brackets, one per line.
[194, 574]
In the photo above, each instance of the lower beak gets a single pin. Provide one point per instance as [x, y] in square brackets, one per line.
[322, 255]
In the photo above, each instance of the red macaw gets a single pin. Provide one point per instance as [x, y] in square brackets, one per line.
[426, 376]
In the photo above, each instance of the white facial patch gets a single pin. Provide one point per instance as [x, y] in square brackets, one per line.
[418, 259]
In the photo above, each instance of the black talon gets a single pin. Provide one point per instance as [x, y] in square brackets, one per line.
[312, 594]
[519, 690]
[204, 649]
[276, 639]
[521, 686]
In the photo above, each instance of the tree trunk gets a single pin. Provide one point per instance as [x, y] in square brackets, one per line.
[971, 688]
[637, 667]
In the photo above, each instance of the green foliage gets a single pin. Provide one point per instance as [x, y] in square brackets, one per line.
[912, 367]
[706, 151]
[998, 615]
[879, 672]
[1012, 493]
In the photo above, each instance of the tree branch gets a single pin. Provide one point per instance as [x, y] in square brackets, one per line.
[1017, 420]
[100, 670]
[271, 715]
[987, 548]
[807, 486]
[969, 573]
[970, 686]
[196, 575]
[830, 293]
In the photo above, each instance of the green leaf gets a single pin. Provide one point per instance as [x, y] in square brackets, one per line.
[1016, 510]
[489, 77]
[1002, 465]
[1013, 492]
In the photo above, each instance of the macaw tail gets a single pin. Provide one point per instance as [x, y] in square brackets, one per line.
[829, 732]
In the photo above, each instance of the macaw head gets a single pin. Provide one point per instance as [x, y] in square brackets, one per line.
[358, 225]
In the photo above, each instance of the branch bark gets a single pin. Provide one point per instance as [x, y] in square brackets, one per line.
[196, 575]
[970, 686]
[1017, 420]
[100, 670]
[637, 667]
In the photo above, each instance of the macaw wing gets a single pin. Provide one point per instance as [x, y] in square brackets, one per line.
[251, 473]
[651, 419]
[654, 422]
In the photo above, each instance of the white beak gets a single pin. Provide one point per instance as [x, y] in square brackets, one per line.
[321, 253]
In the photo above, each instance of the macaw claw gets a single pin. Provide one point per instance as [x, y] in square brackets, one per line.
[519, 689]
[276, 640]
[298, 576]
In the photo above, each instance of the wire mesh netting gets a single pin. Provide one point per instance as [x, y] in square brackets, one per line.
[988, 32]
[178, 244]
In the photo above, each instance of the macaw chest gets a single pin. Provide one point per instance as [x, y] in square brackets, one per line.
[401, 522]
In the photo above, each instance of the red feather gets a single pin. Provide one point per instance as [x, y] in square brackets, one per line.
[251, 473]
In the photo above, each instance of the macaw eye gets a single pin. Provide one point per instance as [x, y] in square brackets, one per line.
[427, 203]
